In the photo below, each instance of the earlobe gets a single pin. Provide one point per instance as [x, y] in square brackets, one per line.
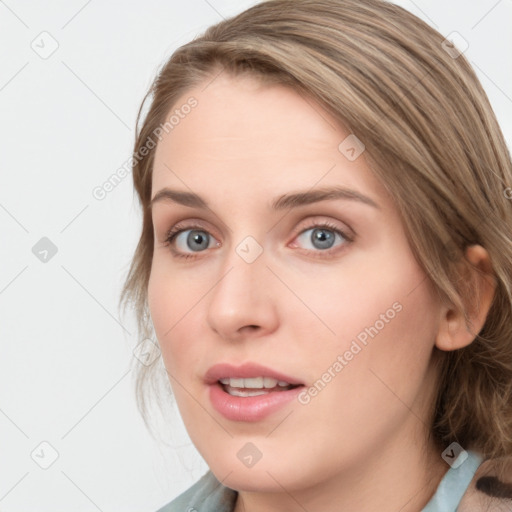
[453, 331]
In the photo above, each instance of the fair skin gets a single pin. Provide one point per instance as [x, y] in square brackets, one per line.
[361, 443]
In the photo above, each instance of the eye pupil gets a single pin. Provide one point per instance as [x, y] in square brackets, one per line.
[197, 240]
[324, 238]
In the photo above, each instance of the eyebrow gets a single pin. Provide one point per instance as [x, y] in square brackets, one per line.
[283, 202]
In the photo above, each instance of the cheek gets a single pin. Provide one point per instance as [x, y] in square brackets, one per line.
[373, 372]
[380, 317]
[356, 300]
[174, 300]
[386, 338]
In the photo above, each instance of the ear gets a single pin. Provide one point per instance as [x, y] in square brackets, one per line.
[453, 332]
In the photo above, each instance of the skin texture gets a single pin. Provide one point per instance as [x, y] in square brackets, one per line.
[362, 440]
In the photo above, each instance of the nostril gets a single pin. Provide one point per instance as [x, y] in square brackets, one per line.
[251, 327]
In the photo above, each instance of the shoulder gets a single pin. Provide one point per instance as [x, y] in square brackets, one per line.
[206, 495]
[490, 488]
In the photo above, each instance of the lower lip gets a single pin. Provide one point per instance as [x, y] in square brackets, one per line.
[250, 408]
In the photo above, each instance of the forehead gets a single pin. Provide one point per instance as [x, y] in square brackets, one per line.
[241, 109]
[243, 132]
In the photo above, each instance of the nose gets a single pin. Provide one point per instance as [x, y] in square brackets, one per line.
[243, 301]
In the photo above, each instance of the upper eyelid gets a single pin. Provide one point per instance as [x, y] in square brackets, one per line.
[187, 225]
[190, 223]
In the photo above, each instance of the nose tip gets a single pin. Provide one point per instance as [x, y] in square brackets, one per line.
[241, 302]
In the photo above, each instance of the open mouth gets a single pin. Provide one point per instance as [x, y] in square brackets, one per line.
[249, 392]
[254, 386]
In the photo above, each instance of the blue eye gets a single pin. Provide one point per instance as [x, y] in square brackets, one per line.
[322, 237]
[317, 239]
[195, 240]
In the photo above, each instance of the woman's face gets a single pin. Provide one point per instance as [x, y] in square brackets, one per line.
[290, 262]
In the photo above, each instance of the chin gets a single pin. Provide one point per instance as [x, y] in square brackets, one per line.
[269, 475]
[250, 479]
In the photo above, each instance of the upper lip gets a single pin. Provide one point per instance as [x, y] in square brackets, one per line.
[246, 370]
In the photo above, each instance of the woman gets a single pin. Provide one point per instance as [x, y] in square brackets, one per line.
[325, 259]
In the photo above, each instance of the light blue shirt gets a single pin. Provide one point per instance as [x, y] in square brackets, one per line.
[209, 495]
[454, 484]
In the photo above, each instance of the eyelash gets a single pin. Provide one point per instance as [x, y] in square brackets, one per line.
[176, 230]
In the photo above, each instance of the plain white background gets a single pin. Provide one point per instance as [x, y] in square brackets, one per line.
[67, 124]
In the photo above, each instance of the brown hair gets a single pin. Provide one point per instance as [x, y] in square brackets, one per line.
[431, 137]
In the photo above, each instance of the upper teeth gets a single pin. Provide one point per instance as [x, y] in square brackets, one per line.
[254, 382]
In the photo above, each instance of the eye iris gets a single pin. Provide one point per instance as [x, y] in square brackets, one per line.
[323, 238]
[197, 240]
